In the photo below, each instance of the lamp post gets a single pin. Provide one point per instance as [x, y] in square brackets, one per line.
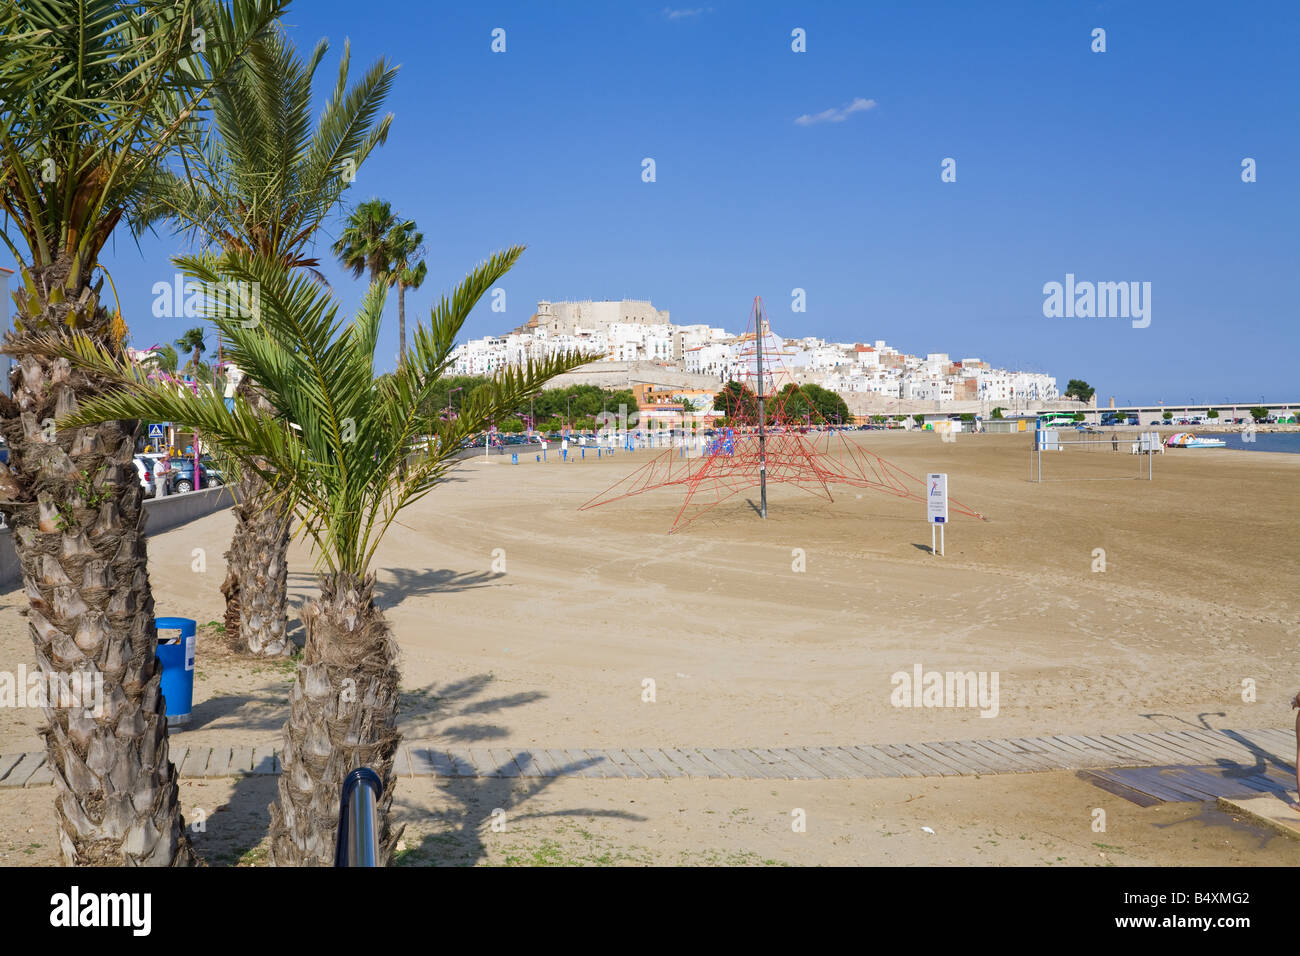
[450, 407]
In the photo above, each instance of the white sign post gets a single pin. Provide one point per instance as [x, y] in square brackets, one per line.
[936, 507]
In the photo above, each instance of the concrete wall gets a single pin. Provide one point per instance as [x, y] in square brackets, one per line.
[173, 510]
[161, 514]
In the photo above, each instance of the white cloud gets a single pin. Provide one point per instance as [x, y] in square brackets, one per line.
[672, 14]
[836, 115]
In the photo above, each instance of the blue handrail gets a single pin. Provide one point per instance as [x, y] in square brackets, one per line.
[358, 832]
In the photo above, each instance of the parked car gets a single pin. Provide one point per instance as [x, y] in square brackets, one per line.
[182, 475]
[145, 469]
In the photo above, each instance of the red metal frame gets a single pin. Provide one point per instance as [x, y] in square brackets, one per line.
[804, 453]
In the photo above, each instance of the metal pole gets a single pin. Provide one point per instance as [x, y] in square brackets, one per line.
[762, 431]
[358, 829]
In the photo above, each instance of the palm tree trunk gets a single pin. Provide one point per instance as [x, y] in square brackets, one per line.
[257, 564]
[342, 715]
[257, 581]
[79, 538]
[401, 320]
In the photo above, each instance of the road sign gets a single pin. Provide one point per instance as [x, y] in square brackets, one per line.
[936, 498]
[156, 432]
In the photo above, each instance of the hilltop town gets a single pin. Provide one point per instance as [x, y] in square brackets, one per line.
[640, 344]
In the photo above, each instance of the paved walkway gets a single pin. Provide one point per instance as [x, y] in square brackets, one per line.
[1171, 748]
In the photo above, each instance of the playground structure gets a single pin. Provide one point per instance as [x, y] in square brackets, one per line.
[770, 435]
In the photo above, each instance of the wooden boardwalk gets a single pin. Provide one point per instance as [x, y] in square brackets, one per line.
[1247, 760]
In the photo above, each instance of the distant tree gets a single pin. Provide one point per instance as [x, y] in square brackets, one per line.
[968, 416]
[192, 341]
[813, 403]
[1167, 416]
[409, 271]
[511, 426]
[441, 396]
[1259, 413]
[365, 245]
[165, 357]
[1212, 413]
[1078, 416]
[1079, 389]
[919, 419]
[996, 413]
[737, 402]
[378, 242]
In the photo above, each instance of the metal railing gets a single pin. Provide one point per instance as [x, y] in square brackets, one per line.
[358, 832]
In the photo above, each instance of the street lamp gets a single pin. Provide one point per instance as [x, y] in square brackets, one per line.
[450, 392]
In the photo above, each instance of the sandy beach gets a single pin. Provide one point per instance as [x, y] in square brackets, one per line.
[524, 621]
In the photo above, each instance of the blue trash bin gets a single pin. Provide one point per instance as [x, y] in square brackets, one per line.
[176, 655]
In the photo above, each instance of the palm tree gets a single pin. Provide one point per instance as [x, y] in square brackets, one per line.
[365, 245]
[264, 182]
[165, 357]
[377, 242]
[409, 271]
[93, 96]
[335, 453]
[192, 341]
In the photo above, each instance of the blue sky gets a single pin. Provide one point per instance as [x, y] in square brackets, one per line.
[1115, 166]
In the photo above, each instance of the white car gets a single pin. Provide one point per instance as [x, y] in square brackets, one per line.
[144, 468]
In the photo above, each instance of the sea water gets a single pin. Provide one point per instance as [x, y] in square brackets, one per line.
[1264, 441]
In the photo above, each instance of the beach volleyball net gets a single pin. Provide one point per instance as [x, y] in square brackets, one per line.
[1056, 455]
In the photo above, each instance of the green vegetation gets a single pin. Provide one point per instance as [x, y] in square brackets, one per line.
[814, 404]
[336, 451]
[549, 405]
[1079, 389]
[379, 242]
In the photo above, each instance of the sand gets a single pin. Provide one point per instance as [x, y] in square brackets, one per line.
[1198, 596]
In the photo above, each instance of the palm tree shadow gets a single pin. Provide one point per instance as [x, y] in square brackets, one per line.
[422, 713]
[394, 585]
[265, 709]
[397, 584]
[475, 804]
[419, 712]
